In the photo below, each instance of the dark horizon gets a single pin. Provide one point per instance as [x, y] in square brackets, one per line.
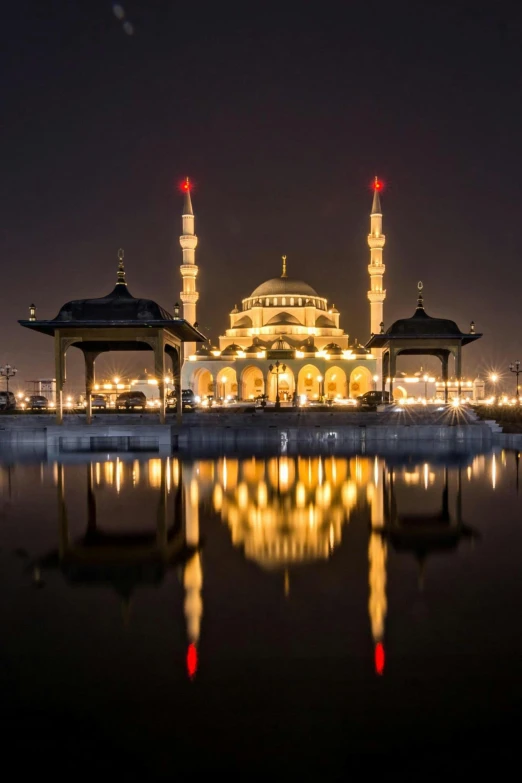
[281, 121]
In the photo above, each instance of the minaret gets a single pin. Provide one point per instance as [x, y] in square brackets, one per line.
[376, 268]
[189, 271]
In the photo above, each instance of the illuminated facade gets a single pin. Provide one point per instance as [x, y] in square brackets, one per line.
[285, 319]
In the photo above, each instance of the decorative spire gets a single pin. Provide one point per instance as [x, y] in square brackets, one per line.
[420, 299]
[376, 206]
[283, 274]
[121, 269]
[187, 202]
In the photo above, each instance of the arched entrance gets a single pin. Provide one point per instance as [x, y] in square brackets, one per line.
[226, 384]
[203, 383]
[251, 383]
[285, 384]
[308, 383]
[335, 383]
[360, 381]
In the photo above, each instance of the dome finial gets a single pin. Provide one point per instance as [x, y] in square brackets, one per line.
[420, 299]
[283, 274]
[121, 269]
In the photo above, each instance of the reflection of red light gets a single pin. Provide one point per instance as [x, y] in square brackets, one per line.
[378, 184]
[379, 658]
[192, 660]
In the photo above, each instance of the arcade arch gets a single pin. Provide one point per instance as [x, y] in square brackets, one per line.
[252, 383]
[335, 383]
[360, 381]
[226, 383]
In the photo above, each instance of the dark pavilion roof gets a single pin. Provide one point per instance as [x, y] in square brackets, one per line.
[119, 308]
[421, 325]
[286, 286]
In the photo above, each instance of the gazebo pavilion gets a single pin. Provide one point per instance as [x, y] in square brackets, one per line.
[116, 322]
[422, 335]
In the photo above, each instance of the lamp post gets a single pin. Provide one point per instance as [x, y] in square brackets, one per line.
[375, 379]
[274, 368]
[494, 378]
[514, 367]
[7, 372]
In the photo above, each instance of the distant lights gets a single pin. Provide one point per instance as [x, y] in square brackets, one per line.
[186, 186]
[378, 184]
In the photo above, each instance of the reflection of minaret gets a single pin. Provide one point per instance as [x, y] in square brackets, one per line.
[376, 268]
[188, 241]
[377, 571]
[193, 572]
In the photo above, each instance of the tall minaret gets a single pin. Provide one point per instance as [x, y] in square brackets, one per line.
[189, 271]
[376, 268]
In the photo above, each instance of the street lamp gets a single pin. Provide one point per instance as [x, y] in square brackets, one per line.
[320, 381]
[8, 372]
[494, 378]
[375, 379]
[514, 367]
[425, 378]
[275, 369]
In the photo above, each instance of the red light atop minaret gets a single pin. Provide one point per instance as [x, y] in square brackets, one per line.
[379, 658]
[378, 184]
[186, 185]
[192, 660]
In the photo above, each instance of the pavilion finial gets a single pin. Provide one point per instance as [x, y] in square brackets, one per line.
[420, 299]
[121, 269]
[283, 274]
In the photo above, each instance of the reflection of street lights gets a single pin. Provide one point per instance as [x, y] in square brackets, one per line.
[275, 369]
[320, 381]
[514, 367]
[8, 372]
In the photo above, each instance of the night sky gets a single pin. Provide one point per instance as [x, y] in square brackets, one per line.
[282, 115]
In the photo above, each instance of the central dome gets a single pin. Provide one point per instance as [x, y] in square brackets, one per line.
[284, 285]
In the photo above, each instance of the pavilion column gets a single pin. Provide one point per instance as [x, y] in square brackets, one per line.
[385, 370]
[59, 360]
[393, 363]
[444, 361]
[159, 372]
[458, 369]
[90, 357]
[175, 355]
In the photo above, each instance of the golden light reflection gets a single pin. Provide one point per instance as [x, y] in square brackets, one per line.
[155, 473]
[493, 472]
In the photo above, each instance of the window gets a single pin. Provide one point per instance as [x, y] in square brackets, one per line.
[292, 301]
[300, 301]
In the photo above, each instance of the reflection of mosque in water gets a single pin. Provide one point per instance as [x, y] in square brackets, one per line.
[283, 512]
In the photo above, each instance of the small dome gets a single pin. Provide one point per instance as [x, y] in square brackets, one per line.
[309, 347]
[333, 348]
[333, 309]
[359, 350]
[202, 350]
[231, 350]
[325, 322]
[283, 319]
[286, 286]
[234, 311]
[281, 345]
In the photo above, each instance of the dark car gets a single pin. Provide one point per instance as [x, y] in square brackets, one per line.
[188, 399]
[131, 399]
[7, 401]
[371, 399]
[38, 402]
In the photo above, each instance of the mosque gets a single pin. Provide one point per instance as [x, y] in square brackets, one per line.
[285, 341]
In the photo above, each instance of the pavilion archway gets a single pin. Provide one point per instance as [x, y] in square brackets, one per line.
[252, 383]
[335, 383]
[360, 381]
[226, 383]
[399, 393]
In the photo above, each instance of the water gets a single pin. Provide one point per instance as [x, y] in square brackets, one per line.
[260, 615]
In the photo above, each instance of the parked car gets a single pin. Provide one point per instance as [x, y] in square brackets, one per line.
[188, 399]
[131, 399]
[37, 402]
[7, 401]
[99, 402]
[371, 399]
